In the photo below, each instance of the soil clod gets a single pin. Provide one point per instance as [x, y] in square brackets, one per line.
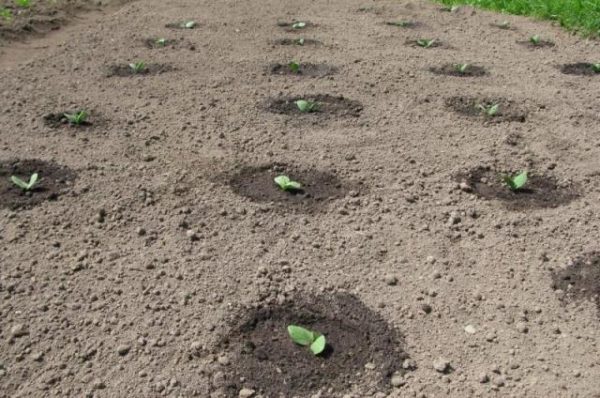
[581, 69]
[580, 280]
[455, 70]
[507, 110]
[326, 105]
[308, 69]
[268, 361]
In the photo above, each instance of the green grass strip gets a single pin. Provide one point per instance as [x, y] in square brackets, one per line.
[582, 16]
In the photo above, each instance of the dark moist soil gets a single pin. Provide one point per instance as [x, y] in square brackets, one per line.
[580, 280]
[58, 119]
[541, 44]
[404, 24]
[55, 180]
[180, 25]
[287, 26]
[579, 69]
[436, 44]
[450, 70]
[126, 71]
[541, 191]
[508, 110]
[294, 42]
[329, 105]
[151, 42]
[319, 188]
[269, 362]
[307, 70]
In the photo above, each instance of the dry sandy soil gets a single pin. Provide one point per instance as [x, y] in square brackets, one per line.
[157, 257]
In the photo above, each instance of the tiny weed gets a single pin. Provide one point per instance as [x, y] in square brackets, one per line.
[299, 42]
[77, 118]
[26, 186]
[188, 24]
[298, 25]
[6, 14]
[23, 3]
[161, 42]
[294, 67]
[596, 67]
[491, 110]
[306, 106]
[138, 67]
[517, 181]
[304, 337]
[286, 184]
[461, 68]
[425, 43]
[535, 40]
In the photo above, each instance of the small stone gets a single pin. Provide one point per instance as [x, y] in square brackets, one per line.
[470, 329]
[426, 308]
[123, 349]
[483, 378]
[98, 385]
[223, 360]
[398, 381]
[38, 356]
[522, 327]
[18, 330]
[441, 365]
[465, 187]
[370, 366]
[191, 234]
[499, 381]
[246, 393]
[391, 280]
[141, 231]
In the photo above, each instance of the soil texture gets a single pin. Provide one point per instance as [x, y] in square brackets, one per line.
[305, 69]
[508, 110]
[453, 70]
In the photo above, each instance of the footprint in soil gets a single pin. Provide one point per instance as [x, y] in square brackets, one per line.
[267, 360]
[580, 279]
[541, 191]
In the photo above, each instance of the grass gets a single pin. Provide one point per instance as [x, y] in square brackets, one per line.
[577, 15]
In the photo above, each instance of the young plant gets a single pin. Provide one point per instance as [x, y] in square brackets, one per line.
[161, 42]
[138, 67]
[299, 42]
[535, 40]
[188, 24]
[26, 186]
[596, 68]
[517, 181]
[6, 14]
[286, 184]
[298, 25]
[491, 110]
[23, 3]
[294, 67]
[306, 106]
[461, 68]
[77, 118]
[307, 338]
[425, 43]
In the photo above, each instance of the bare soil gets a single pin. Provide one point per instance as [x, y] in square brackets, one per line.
[158, 245]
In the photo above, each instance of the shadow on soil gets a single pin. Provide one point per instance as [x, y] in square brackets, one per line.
[580, 280]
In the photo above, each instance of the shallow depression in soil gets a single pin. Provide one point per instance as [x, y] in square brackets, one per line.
[268, 361]
[327, 105]
[580, 279]
[474, 107]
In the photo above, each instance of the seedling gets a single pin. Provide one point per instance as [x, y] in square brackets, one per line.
[23, 3]
[77, 118]
[306, 106]
[535, 40]
[138, 67]
[491, 110]
[425, 43]
[286, 184]
[294, 67]
[461, 68]
[299, 42]
[304, 337]
[596, 68]
[161, 42]
[298, 25]
[517, 181]
[26, 186]
[6, 14]
[188, 24]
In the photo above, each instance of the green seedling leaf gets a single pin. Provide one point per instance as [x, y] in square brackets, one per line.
[294, 67]
[461, 68]
[138, 67]
[304, 337]
[25, 186]
[298, 25]
[77, 118]
[286, 184]
[318, 346]
[188, 24]
[23, 3]
[517, 181]
[161, 42]
[299, 42]
[6, 14]
[535, 40]
[596, 67]
[454, 8]
[306, 106]
[425, 43]
[491, 110]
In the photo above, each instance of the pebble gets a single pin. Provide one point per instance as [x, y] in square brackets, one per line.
[483, 378]
[391, 280]
[470, 329]
[441, 365]
[499, 381]
[123, 349]
[18, 330]
[398, 381]
[426, 308]
[522, 327]
[246, 393]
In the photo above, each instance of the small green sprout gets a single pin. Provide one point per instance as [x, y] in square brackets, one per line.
[304, 337]
[138, 67]
[26, 186]
[400, 24]
[286, 184]
[188, 24]
[491, 110]
[461, 68]
[596, 68]
[23, 3]
[425, 43]
[299, 42]
[298, 25]
[504, 25]
[6, 14]
[161, 42]
[306, 106]
[517, 181]
[294, 67]
[77, 118]
[535, 40]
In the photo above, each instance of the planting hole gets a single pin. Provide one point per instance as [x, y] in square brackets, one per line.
[507, 110]
[303, 69]
[581, 69]
[268, 361]
[459, 70]
[580, 279]
[541, 191]
[53, 180]
[327, 105]
[297, 42]
[60, 119]
[128, 70]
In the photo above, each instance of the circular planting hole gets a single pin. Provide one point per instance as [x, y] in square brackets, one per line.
[325, 105]
[302, 69]
[580, 279]
[581, 69]
[490, 110]
[318, 187]
[136, 69]
[269, 362]
[53, 180]
[73, 119]
[540, 191]
[459, 70]
[297, 42]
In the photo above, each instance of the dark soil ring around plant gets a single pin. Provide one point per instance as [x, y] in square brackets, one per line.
[541, 191]
[452, 70]
[126, 71]
[436, 44]
[580, 69]
[152, 42]
[327, 105]
[308, 70]
[268, 361]
[54, 180]
[580, 279]
[508, 110]
[58, 119]
[318, 187]
[179, 25]
[295, 42]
